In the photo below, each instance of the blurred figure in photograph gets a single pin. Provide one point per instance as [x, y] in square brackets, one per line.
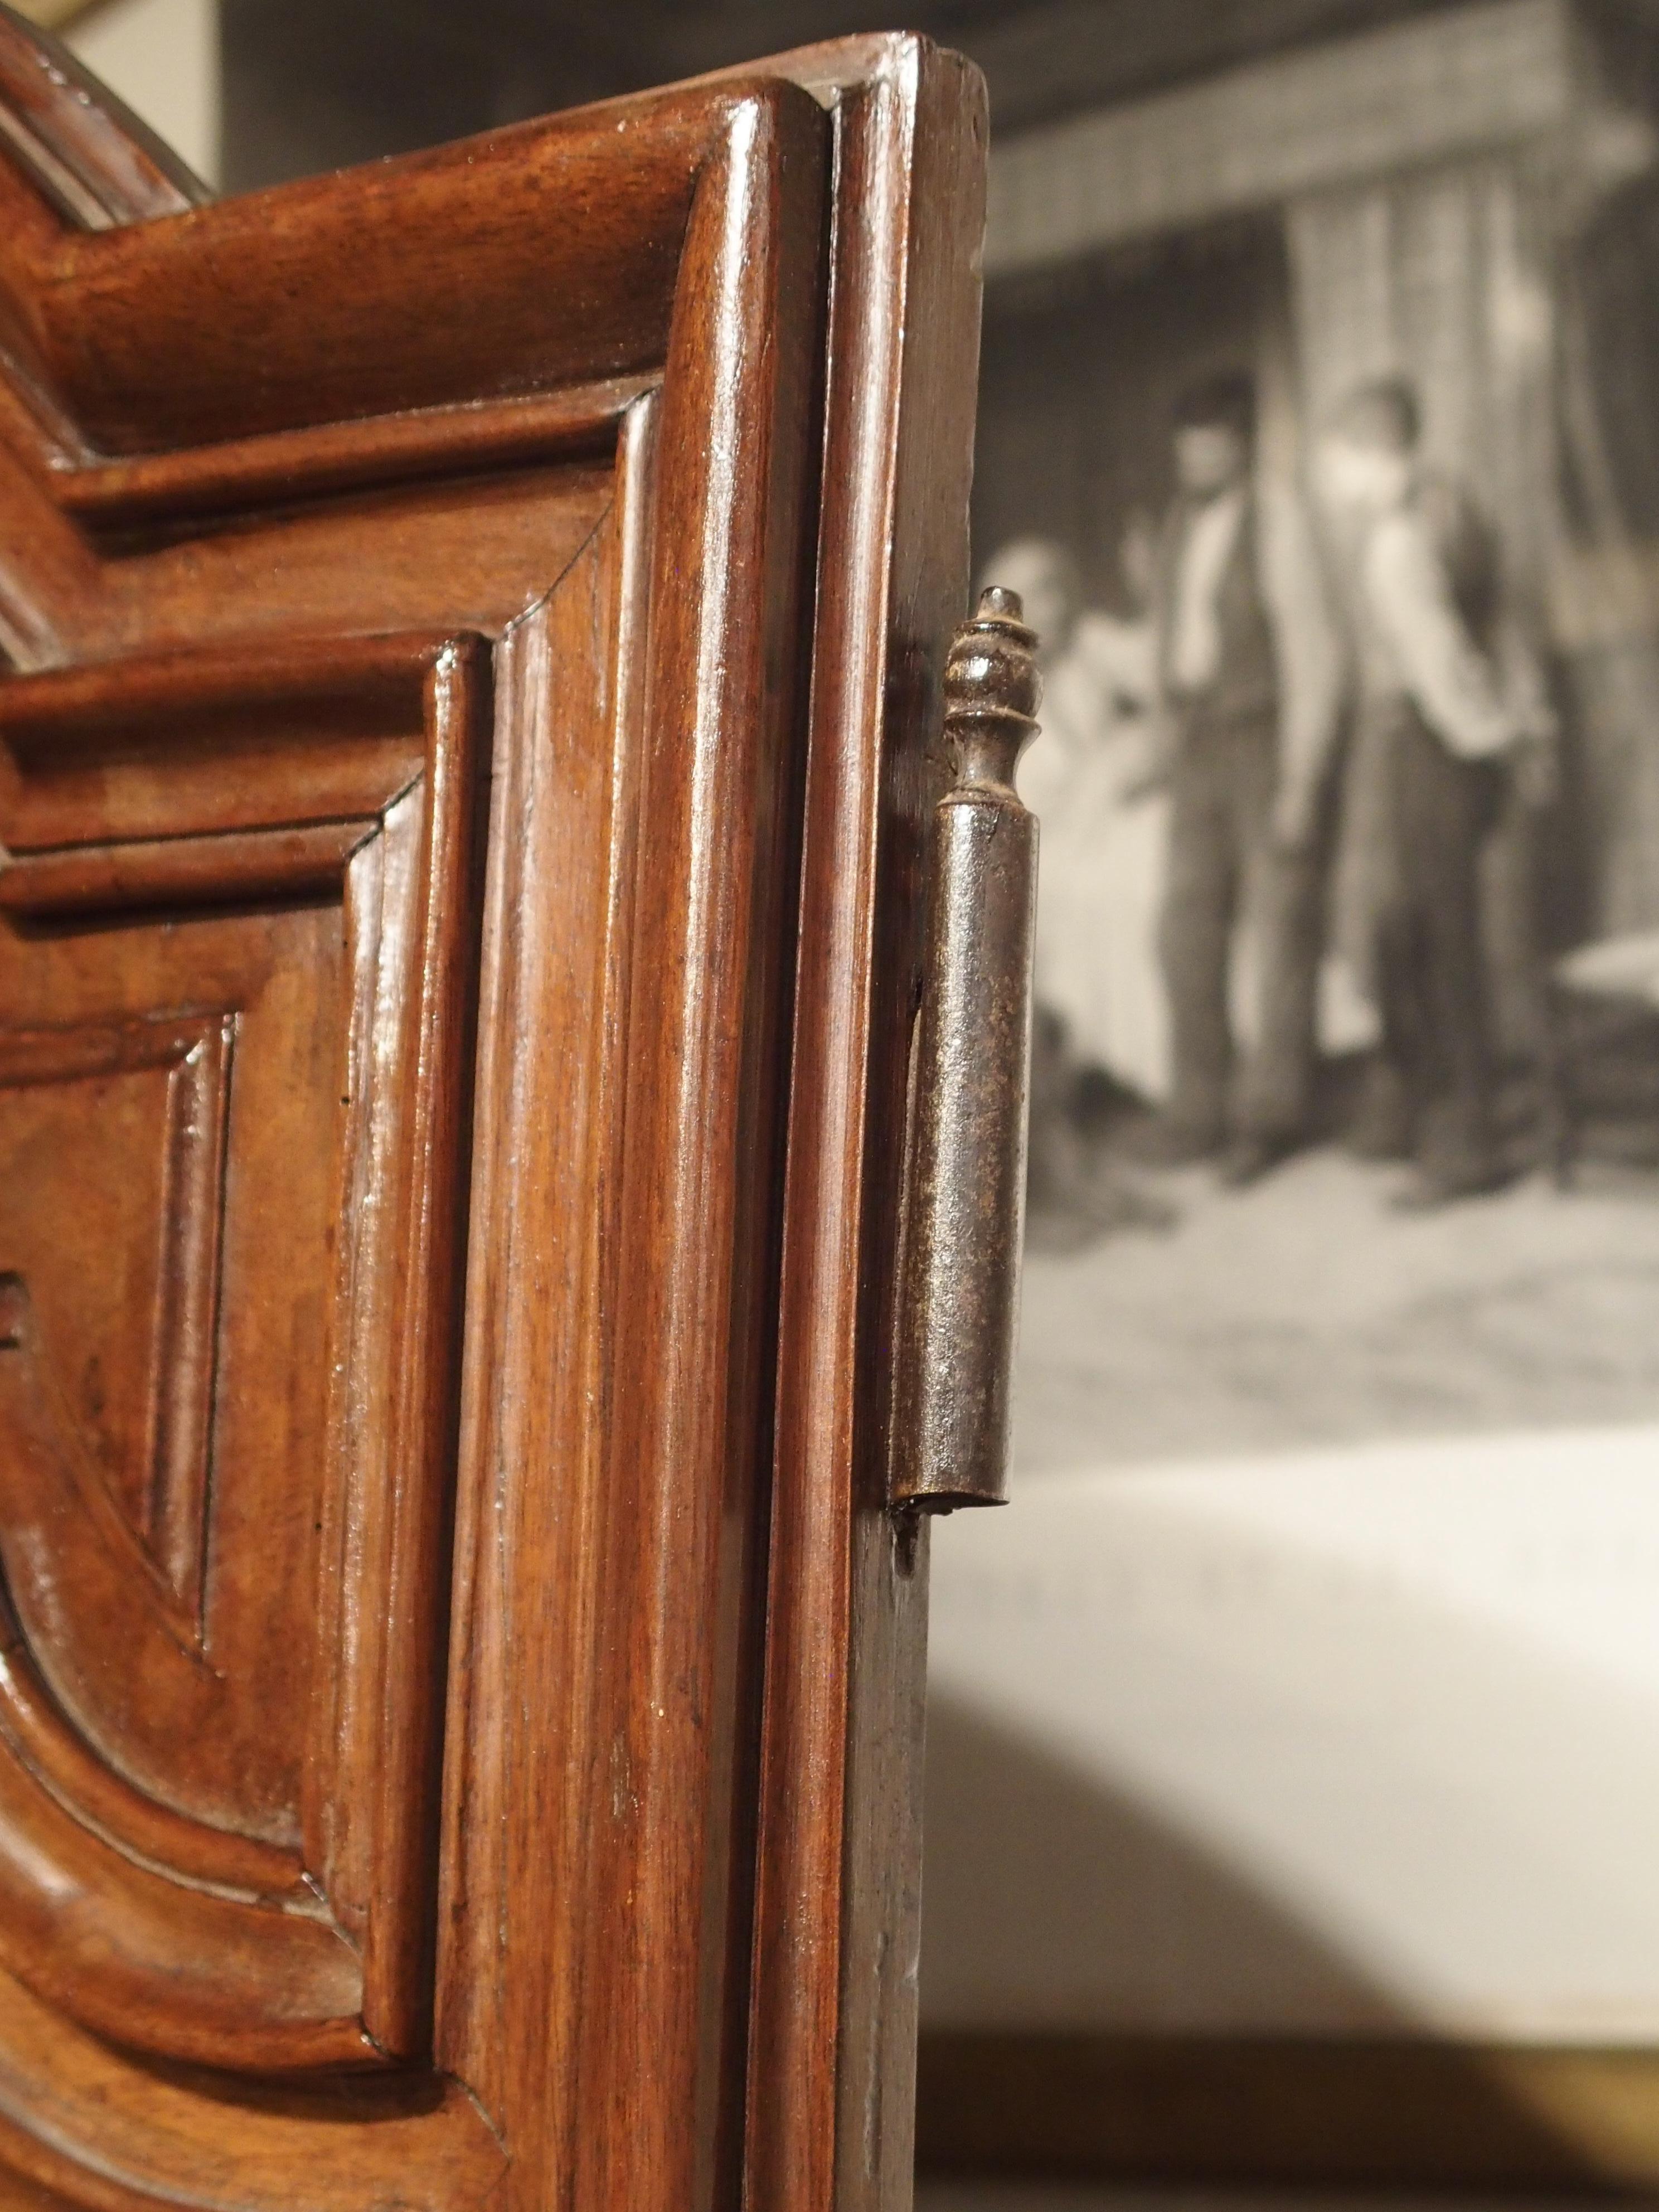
[1248, 671]
[1452, 702]
[1105, 826]
[1104, 835]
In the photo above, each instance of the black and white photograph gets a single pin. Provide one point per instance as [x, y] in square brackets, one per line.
[1317, 430]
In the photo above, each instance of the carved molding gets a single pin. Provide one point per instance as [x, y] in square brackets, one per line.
[195, 1057]
[402, 329]
[86, 2126]
[391, 730]
[338, 457]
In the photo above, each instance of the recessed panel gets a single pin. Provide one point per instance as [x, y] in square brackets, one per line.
[231, 1060]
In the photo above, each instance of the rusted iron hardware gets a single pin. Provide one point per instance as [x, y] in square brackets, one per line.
[965, 1186]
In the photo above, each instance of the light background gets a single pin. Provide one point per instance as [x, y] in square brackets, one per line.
[161, 57]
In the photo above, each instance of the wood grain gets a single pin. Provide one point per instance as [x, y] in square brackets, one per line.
[838, 1923]
[81, 2125]
[149, 747]
[143, 1959]
[185, 871]
[474, 626]
[162, 333]
[334, 457]
[162, 1475]
[661, 1333]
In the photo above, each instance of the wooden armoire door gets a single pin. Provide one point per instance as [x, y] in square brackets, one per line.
[474, 629]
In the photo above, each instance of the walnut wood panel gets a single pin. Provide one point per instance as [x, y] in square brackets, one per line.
[162, 333]
[81, 2125]
[656, 1435]
[453, 1640]
[461, 557]
[180, 1326]
[838, 1927]
[339, 456]
[150, 1416]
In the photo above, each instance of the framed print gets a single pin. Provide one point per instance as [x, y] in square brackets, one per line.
[1293, 1778]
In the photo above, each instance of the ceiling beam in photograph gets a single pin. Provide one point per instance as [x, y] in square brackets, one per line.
[1505, 73]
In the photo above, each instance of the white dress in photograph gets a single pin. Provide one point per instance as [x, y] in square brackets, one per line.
[1105, 838]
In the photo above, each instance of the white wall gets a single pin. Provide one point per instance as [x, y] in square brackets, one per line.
[1335, 1741]
[161, 56]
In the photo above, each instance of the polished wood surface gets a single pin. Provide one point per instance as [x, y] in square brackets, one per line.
[474, 627]
[838, 1921]
[227, 1338]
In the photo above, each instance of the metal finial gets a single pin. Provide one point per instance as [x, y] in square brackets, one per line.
[965, 1181]
[992, 688]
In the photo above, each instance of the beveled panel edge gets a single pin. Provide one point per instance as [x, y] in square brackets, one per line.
[94, 313]
[385, 1741]
[112, 2134]
[193, 1051]
[143, 1952]
[704, 1072]
[329, 458]
[549, 255]
[73, 840]
[635, 1882]
[188, 1972]
[44, 1741]
[444, 681]
[242, 866]
[553, 993]
[161, 682]
[44, 1053]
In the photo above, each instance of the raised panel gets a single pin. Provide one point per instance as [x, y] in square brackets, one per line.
[233, 1057]
[79, 2121]
[200, 1709]
[120, 1125]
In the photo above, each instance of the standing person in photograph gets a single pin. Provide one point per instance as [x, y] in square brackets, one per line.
[1105, 830]
[1452, 701]
[1099, 1005]
[1249, 676]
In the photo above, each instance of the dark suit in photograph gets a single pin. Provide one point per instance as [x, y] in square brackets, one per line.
[1251, 675]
